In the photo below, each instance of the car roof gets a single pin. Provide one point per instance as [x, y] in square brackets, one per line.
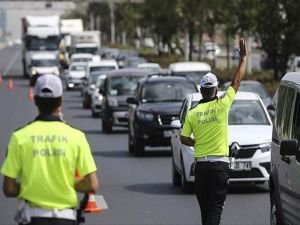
[78, 64]
[103, 63]
[292, 77]
[163, 77]
[241, 95]
[147, 65]
[128, 72]
[189, 66]
[81, 55]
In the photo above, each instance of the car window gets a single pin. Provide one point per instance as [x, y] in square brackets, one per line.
[93, 78]
[296, 120]
[125, 85]
[247, 112]
[258, 89]
[287, 112]
[78, 68]
[279, 109]
[167, 91]
[101, 68]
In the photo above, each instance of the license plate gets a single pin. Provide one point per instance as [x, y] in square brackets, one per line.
[238, 166]
[167, 133]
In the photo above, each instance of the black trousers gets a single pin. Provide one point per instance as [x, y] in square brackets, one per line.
[211, 185]
[50, 221]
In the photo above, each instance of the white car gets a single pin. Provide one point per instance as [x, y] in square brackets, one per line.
[250, 130]
[94, 69]
[152, 67]
[44, 63]
[81, 57]
[195, 70]
[75, 75]
[97, 98]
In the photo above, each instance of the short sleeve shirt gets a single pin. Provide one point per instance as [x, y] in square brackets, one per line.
[44, 156]
[208, 122]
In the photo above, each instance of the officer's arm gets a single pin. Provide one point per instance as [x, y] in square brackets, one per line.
[240, 72]
[187, 140]
[10, 187]
[87, 184]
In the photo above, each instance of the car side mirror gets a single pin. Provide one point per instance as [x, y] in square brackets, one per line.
[289, 147]
[101, 91]
[175, 124]
[132, 100]
[271, 111]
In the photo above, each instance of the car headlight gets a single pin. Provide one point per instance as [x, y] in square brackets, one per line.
[33, 72]
[56, 71]
[144, 116]
[112, 102]
[265, 147]
[100, 97]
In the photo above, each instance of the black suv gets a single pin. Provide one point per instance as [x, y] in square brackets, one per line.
[116, 88]
[156, 103]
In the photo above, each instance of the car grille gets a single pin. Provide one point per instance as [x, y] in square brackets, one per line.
[247, 151]
[254, 173]
[166, 119]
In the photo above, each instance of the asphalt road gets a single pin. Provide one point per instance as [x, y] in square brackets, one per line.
[138, 191]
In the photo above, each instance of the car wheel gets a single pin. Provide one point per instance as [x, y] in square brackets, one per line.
[130, 142]
[275, 218]
[84, 103]
[138, 147]
[176, 177]
[94, 114]
[185, 185]
[106, 126]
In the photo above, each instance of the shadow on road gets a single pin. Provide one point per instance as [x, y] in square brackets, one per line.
[247, 189]
[113, 154]
[156, 189]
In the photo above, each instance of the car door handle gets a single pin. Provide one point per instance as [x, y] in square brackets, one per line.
[286, 159]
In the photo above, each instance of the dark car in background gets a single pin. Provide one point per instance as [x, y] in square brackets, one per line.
[156, 103]
[253, 86]
[116, 88]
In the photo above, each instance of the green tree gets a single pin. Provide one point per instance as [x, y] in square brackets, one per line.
[162, 19]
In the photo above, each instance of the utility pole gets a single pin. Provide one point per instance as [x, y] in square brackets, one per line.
[112, 22]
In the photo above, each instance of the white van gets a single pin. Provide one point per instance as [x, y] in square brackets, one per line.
[195, 70]
[43, 63]
[284, 183]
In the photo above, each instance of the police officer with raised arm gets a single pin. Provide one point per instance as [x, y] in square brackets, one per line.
[42, 159]
[208, 122]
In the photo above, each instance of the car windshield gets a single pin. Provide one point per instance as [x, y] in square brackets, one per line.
[247, 112]
[44, 62]
[124, 85]
[256, 88]
[167, 91]
[78, 68]
[91, 50]
[82, 60]
[101, 68]
[93, 77]
[195, 75]
[37, 44]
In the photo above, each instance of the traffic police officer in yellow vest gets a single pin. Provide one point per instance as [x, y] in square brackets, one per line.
[42, 159]
[208, 122]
